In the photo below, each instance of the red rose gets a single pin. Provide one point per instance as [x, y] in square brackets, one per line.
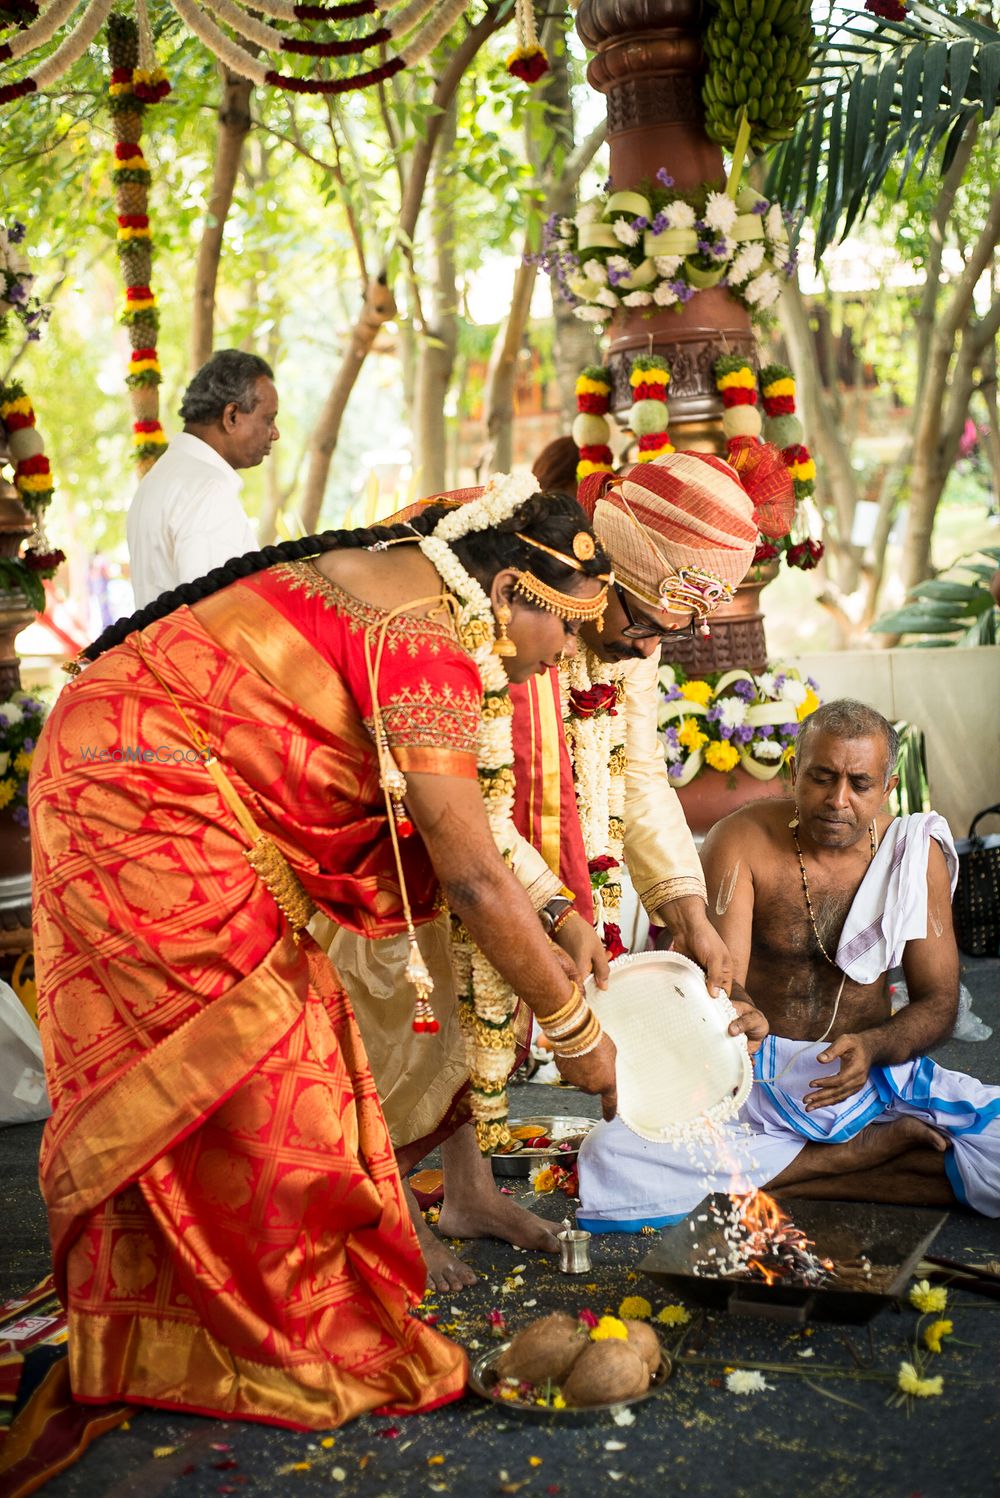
[612, 939]
[602, 864]
[889, 10]
[766, 552]
[802, 555]
[599, 699]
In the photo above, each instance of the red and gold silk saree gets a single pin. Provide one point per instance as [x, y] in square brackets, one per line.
[227, 1219]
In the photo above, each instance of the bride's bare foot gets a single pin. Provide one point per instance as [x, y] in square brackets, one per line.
[880, 1142]
[496, 1216]
[445, 1271]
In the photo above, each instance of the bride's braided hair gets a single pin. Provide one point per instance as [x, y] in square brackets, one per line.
[553, 519]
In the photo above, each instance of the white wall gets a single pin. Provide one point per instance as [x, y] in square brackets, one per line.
[952, 694]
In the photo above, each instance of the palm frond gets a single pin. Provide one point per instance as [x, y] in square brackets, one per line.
[884, 95]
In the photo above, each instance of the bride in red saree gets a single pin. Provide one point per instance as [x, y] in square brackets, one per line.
[228, 1226]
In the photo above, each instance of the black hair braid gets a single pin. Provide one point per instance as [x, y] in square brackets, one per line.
[553, 519]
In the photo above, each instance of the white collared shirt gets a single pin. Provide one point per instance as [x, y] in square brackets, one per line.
[185, 518]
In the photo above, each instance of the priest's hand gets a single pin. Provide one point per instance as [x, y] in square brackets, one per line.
[594, 1073]
[581, 943]
[856, 1056]
[749, 1022]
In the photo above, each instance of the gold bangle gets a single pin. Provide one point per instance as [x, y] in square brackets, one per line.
[586, 1043]
[558, 1014]
[581, 1033]
[561, 919]
[565, 1031]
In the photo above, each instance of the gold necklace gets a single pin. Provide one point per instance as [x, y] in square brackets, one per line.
[873, 843]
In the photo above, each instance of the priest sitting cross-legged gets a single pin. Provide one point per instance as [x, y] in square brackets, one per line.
[817, 898]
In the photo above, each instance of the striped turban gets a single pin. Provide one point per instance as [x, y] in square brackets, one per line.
[682, 510]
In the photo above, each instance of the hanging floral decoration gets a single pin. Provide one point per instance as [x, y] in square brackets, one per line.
[591, 428]
[32, 473]
[737, 384]
[527, 61]
[21, 720]
[649, 378]
[248, 31]
[784, 429]
[131, 57]
[731, 718]
[657, 247]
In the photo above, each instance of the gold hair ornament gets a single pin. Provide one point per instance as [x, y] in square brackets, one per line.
[584, 550]
[563, 605]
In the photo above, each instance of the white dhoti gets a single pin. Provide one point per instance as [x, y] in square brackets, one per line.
[627, 1184]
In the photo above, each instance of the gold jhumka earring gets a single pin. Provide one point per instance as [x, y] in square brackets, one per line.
[503, 646]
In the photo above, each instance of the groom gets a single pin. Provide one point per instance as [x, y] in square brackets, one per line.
[816, 899]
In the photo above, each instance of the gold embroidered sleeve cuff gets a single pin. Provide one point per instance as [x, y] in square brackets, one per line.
[670, 889]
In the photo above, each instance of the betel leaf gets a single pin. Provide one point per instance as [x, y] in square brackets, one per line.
[939, 588]
[913, 622]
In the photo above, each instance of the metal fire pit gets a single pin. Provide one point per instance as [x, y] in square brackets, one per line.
[894, 1239]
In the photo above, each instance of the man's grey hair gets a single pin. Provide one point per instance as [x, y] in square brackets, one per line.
[846, 719]
[228, 378]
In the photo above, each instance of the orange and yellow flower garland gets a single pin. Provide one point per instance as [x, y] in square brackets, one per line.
[784, 429]
[33, 482]
[131, 89]
[590, 428]
[649, 378]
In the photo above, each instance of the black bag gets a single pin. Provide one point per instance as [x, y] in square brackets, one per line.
[977, 895]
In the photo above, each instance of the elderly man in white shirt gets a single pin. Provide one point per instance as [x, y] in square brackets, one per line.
[186, 516]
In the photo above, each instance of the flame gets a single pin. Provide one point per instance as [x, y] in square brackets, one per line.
[769, 1275]
[761, 1216]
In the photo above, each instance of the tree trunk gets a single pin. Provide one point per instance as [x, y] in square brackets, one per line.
[439, 339]
[234, 126]
[821, 427]
[501, 376]
[323, 440]
[379, 308]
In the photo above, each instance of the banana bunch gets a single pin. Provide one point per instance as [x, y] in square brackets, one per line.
[757, 56]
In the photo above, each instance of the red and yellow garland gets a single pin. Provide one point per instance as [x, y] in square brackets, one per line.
[784, 429]
[131, 89]
[527, 61]
[32, 480]
[737, 384]
[591, 429]
[649, 378]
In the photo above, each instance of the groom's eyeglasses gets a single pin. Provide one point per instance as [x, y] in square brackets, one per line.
[640, 629]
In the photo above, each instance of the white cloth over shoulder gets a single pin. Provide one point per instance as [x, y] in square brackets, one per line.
[185, 519]
[23, 1098]
[890, 907]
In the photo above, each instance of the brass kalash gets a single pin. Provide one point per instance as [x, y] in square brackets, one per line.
[755, 1255]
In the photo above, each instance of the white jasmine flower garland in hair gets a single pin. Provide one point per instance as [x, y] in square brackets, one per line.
[486, 1002]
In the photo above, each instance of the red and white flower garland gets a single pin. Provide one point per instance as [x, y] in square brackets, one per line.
[593, 695]
[785, 430]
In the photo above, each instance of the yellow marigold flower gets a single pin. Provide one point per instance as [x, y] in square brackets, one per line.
[655, 452]
[779, 387]
[544, 1181]
[927, 1298]
[740, 379]
[935, 1332]
[804, 472]
[690, 736]
[697, 691]
[808, 705]
[34, 483]
[8, 790]
[789, 754]
[22, 761]
[911, 1383]
[673, 1316]
[722, 757]
[635, 1308]
[587, 386]
[558, 1402]
[21, 406]
[607, 1328]
[586, 467]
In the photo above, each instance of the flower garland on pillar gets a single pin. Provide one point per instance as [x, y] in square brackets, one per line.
[32, 471]
[737, 384]
[649, 378]
[591, 428]
[784, 429]
[130, 90]
[527, 61]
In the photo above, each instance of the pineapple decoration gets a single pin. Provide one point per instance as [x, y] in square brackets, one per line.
[135, 83]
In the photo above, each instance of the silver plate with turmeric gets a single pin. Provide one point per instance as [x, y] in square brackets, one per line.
[484, 1381]
[539, 1139]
